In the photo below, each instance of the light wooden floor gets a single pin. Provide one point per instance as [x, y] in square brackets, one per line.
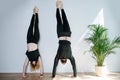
[67, 76]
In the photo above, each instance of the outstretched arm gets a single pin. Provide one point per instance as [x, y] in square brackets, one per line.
[72, 60]
[41, 67]
[25, 67]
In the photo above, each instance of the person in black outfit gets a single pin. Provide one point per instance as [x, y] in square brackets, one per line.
[32, 52]
[64, 33]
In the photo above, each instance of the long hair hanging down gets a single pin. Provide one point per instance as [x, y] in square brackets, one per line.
[34, 67]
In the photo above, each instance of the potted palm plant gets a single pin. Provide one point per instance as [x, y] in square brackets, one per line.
[101, 46]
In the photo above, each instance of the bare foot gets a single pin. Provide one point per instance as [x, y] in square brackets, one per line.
[59, 4]
[35, 10]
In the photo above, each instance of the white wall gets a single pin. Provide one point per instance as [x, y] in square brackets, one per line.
[15, 17]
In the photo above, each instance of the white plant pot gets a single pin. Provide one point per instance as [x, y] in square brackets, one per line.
[100, 70]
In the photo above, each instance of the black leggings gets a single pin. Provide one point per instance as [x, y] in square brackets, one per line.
[33, 34]
[62, 24]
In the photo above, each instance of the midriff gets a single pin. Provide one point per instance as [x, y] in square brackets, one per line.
[65, 38]
[32, 46]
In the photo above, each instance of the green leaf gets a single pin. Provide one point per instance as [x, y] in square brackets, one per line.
[102, 46]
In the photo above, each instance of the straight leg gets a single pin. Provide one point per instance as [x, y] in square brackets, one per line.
[65, 21]
[30, 29]
[59, 22]
[36, 28]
